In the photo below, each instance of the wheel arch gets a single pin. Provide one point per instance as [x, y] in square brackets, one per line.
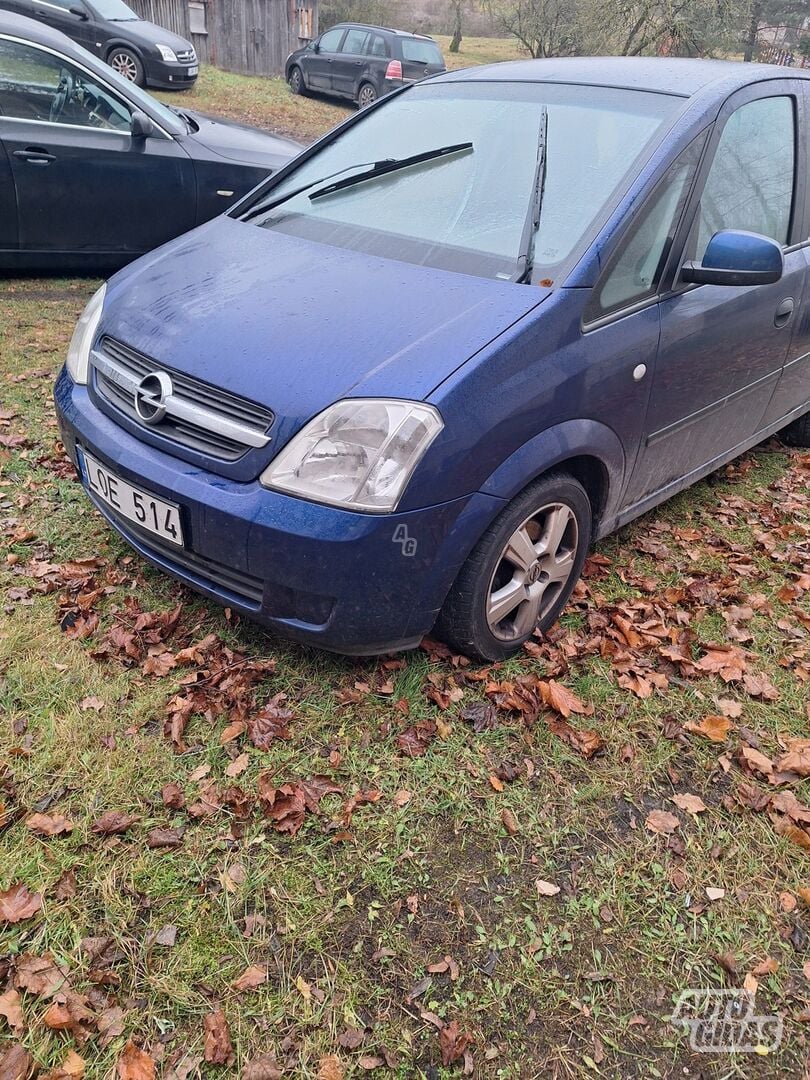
[120, 43]
[590, 451]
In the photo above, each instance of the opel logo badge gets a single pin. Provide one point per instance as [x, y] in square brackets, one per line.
[151, 395]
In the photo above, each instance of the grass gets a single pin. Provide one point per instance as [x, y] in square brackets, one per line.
[347, 919]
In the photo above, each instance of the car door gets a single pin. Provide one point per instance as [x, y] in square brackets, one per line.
[83, 182]
[8, 205]
[722, 348]
[350, 62]
[70, 17]
[317, 65]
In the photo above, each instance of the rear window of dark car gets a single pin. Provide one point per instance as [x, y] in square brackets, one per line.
[421, 52]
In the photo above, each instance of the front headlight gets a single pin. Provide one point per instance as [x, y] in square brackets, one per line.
[168, 54]
[358, 454]
[78, 357]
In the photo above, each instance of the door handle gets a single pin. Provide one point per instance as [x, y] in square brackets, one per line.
[35, 156]
[783, 312]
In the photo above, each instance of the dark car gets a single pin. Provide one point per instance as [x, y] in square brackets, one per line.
[362, 62]
[93, 170]
[498, 314]
[140, 51]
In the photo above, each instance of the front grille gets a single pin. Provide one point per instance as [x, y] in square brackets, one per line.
[187, 57]
[243, 587]
[207, 419]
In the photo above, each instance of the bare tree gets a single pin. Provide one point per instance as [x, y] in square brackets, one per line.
[543, 27]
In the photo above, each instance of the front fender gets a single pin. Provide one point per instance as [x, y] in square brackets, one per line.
[556, 445]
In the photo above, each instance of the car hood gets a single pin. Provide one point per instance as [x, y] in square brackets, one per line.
[296, 325]
[238, 142]
[149, 34]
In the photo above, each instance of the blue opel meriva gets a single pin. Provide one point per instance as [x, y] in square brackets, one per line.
[406, 382]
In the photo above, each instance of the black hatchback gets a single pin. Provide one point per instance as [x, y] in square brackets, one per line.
[362, 62]
[141, 51]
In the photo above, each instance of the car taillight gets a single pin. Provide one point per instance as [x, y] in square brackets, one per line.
[394, 70]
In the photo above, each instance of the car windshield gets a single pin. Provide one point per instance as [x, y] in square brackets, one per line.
[421, 52]
[114, 10]
[467, 212]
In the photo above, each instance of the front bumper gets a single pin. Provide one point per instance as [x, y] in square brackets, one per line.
[343, 581]
[169, 76]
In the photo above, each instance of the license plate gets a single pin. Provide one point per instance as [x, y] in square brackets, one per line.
[147, 510]
[193, 71]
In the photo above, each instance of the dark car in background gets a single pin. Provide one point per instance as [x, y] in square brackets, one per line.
[140, 51]
[362, 62]
[93, 170]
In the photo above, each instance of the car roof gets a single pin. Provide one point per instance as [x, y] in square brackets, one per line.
[32, 30]
[663, 75]
[381, 30]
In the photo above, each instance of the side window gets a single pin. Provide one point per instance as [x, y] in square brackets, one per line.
[355, 42]
[634, 270]
[377, 46]
[36, 85]
[750, 183]
[331, 39]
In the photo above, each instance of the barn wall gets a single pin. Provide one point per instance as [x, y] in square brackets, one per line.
[253, 37]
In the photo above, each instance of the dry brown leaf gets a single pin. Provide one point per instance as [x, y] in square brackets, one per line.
[11, 1009]
[713, 728]
[510, 822]
[250, 978]
[769, 966]
[49, 824]
[330, 1068]
[756, 761]
[714, 893]
[17, 903]
[693, 804]
[453, 1042]
[263, 1067]
[113, 822]
[546, 888]
[15, 1063]
[661, 821]
[562, 700]
[39, 975]
[218, 1046]
[135, 1064]
[238, 766]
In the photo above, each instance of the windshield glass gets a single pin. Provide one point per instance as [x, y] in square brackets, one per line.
[467, 212]
[165, 116]
[114, 10]
[421, 52]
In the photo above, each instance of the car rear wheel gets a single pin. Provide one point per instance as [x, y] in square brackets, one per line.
[521, 572]
[127, 64]
[797, 433]
[296, 81]
[366, 96]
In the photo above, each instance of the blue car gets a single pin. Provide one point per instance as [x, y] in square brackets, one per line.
[406, 382]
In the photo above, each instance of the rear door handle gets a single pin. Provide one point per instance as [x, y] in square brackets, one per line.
[783, 312]
[35, 155]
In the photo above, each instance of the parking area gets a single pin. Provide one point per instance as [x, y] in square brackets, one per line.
[255, 858]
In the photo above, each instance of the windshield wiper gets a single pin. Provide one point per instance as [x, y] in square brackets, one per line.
[373, 168]
[525, 259]
[383, 168]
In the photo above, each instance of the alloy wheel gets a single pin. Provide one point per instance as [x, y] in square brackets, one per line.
[368, 95]
[533, 569]
[125, 65]
[295, 81]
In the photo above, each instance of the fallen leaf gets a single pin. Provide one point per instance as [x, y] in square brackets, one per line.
[17, 903]
[218, 1046]
[661, 821]
[330, 1068]
[238, 766]
[562, 700]
[453, 1042]
[402, 798]
[164, 838]
[135, 1064]
[263, 1067]
[546, 888]
[113, 822]
[714, 893]
[713, 728]
[15, 1063]
[787, 902]
[769, 966]
[693, 804]
[510, 822]
[39, 975]
[49, 824]
[250, 978]
[11, 1009]
[92, 702]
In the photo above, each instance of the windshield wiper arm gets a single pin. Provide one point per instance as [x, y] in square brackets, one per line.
[262, 207]
[525, 259]
[383, 168]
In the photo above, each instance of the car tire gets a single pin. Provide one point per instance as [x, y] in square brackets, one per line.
[502, 577]
[296, 81]
[366, 95]
[798, 432]
[128, 64]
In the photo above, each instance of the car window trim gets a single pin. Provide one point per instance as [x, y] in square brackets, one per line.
[53, 7]
[93, 75]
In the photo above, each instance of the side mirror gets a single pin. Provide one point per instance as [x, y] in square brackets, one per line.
[734, 257]
[141, 126]
[315, 46]
[80, 13]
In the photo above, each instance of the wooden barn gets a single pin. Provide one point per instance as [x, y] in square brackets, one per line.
[252, 37]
